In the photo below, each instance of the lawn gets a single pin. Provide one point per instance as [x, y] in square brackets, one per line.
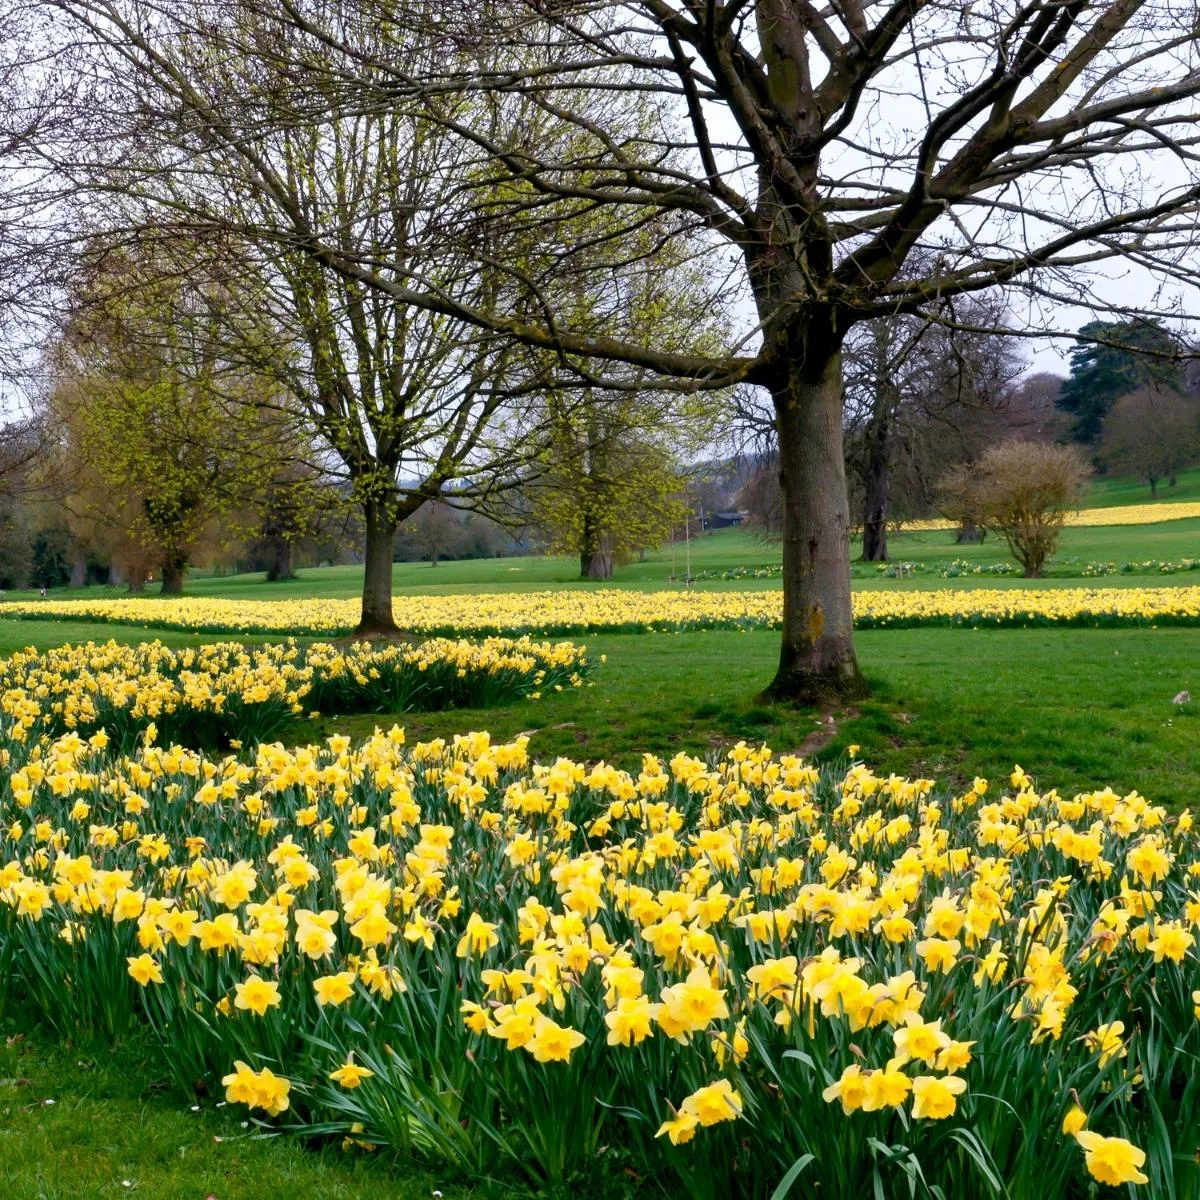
[79, 1122]
[1079, 709]
[1124, 489]
[724, 550]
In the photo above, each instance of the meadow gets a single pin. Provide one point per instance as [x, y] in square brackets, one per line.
[956, 825]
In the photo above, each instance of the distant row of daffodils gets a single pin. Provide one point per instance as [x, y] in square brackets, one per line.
[959, 568]
[207, 695]
[1120, 514]
[554, 613]
[720, 978]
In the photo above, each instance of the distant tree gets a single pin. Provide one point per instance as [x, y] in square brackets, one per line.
[159, 449]
[1022, 491]
[486, 538]
[436, 531]
[609, 484]
[51, 558]
[761, 499]
[163, 434]
[1030, 408]
[1112, 359]
[294, 498]
[919, 395]
[16, 549]
[1153, 433]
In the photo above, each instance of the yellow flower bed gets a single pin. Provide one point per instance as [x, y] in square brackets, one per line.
[741, 973]
[550, 613]
[206, 695]
[1117, 514]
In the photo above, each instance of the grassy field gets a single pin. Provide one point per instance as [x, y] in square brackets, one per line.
[1079, 709]
[715, 552]
[1124, 489]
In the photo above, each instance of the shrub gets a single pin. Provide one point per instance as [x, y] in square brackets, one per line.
[1020, 490]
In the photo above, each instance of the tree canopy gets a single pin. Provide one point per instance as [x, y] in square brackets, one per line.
[1111, 359]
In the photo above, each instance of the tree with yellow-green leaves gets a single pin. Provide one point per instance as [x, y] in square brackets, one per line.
[610, 485]
[412, 403]
[163, 439]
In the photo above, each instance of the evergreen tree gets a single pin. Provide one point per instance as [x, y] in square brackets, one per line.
[1112, 359]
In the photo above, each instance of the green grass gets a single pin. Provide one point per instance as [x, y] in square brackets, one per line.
[83, 1122]
[716, 552]
[1124, 489]
[17, 635]
[1080, 707]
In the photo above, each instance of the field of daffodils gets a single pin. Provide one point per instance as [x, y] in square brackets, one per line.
[746, 977]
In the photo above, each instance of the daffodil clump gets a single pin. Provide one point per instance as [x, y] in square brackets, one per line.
[209, 695]
[1117, 514]
[614, 610]
[732, 976]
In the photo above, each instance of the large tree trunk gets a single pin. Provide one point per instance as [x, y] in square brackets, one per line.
[136, 583]
[817, 661]
[595, 553]
[278, 553]
[600, 564]
[377, 615]
[875, 502]
[78, 569]
[172, 578]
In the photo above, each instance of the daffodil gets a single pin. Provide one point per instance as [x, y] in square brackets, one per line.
[350, 1074]
[145, 969]
[256, 995]
[934, 1097]
[1112, 1160]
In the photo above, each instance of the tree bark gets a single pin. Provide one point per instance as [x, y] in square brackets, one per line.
[279, 558]
[595, 553]
[78, 569]
[136, 583]
[817, 662]
[376, 616]
[875, 503]
[172, 578]
[600, 562]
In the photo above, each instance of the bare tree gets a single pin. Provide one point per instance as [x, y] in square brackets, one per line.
[1030, 410]
[1004, 143]
[1153, 433]
[920, 395]
[1021, 490]
[436, 532]
[413, 399]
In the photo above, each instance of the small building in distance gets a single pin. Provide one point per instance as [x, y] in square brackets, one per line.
[724, 520]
